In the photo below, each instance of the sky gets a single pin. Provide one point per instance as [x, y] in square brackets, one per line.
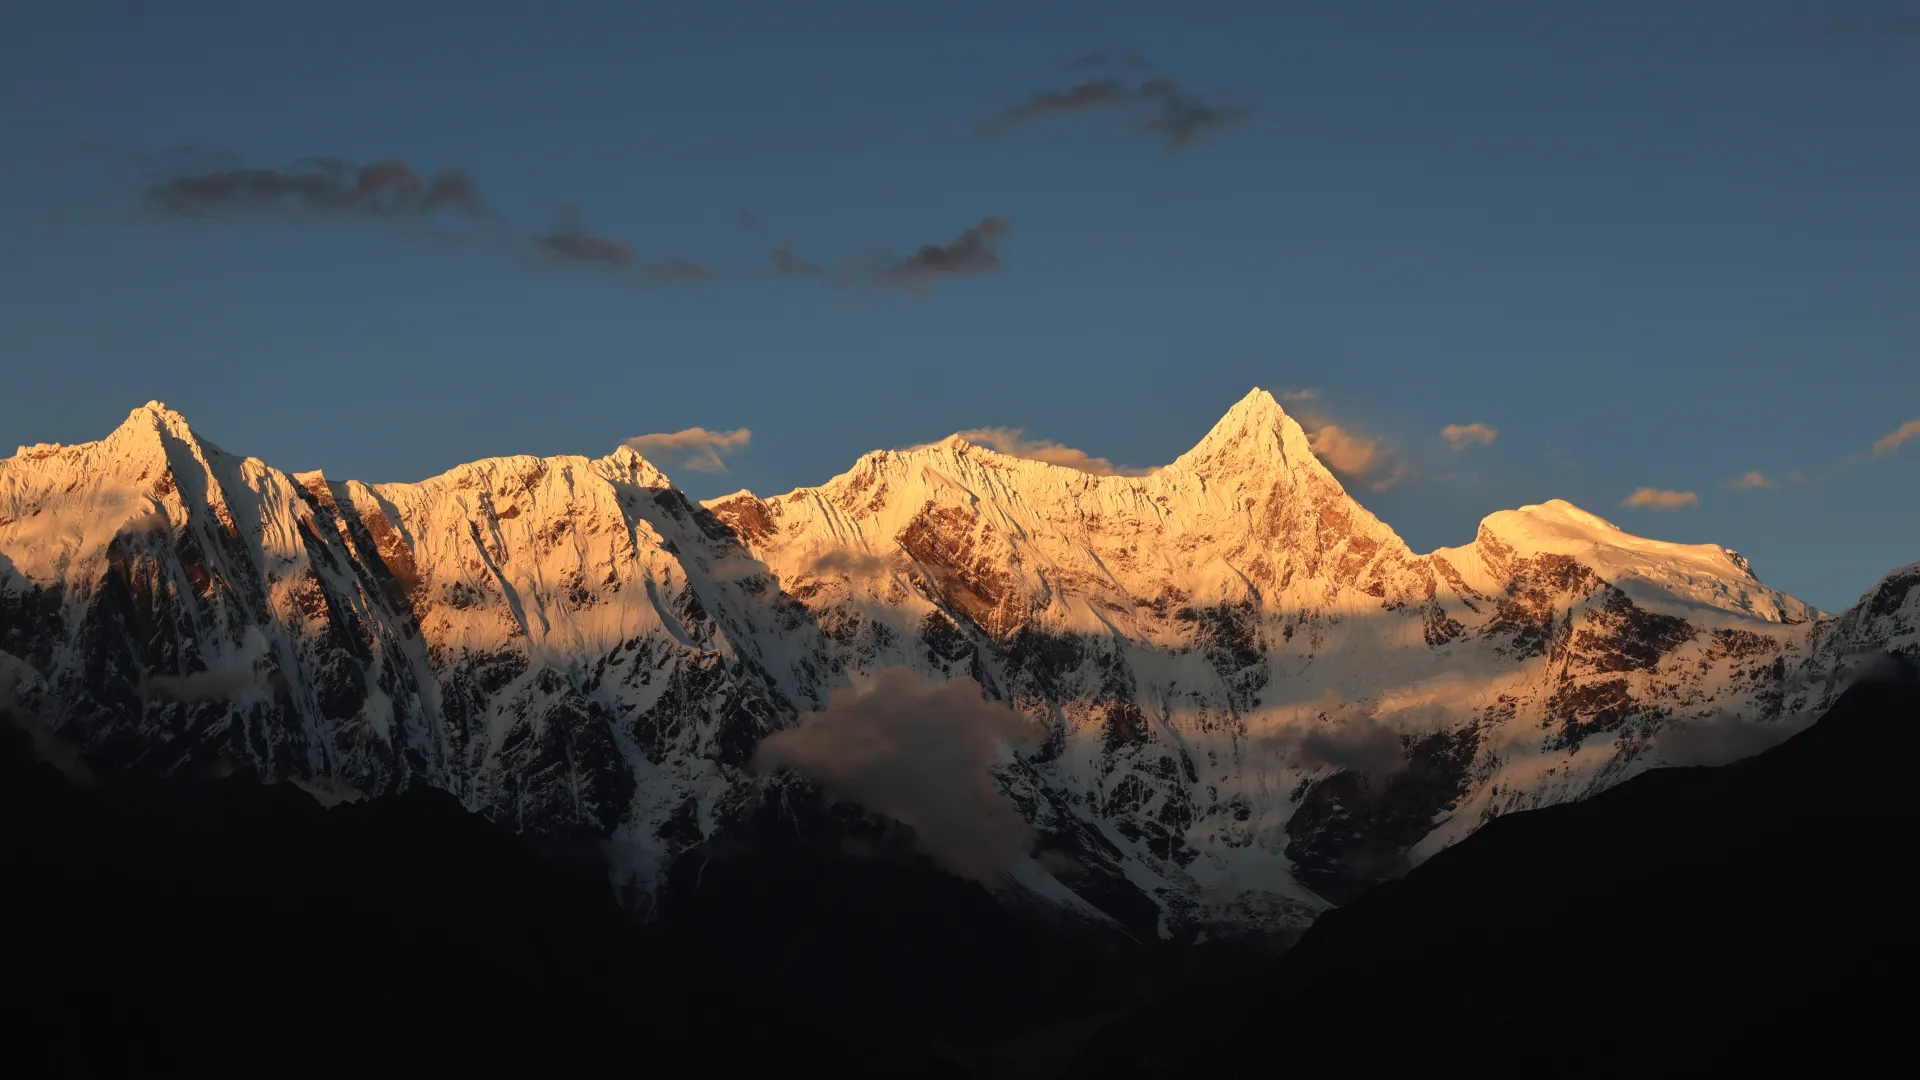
[1648, 249]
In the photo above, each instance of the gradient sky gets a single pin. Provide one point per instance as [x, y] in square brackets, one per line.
[1658, 250]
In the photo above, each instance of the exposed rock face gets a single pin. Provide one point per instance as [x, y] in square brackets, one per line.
[1255, 698]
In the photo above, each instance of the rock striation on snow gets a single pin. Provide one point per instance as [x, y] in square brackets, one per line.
[1254, 699]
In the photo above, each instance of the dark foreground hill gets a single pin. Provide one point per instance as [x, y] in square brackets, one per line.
[171, 928]
[1751, 918]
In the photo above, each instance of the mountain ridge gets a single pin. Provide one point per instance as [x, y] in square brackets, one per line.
[1257, 699]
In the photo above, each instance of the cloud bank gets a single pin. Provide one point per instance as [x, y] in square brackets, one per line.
[918, 752]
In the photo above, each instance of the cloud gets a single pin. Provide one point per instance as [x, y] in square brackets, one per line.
[1656, 499]
[1892, 440]
[1164, 108]
[1299, 395]
[570, 241]
[848, 562]
[695, 448]
[1348, 452]
[1717, 740]
[1460, 436]
[972, 252]
[1364, 745]
[1186, 119]
[674, 268]
[1009, 441]
[1082, 97]
[320, 187]
[201, 685]
[786, 263]
[918, 752]
[1753, 481]
[1344, 451]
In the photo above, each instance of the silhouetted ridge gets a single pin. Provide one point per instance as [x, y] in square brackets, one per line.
[1688, 921]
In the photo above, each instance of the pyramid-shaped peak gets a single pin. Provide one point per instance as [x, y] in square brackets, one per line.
[1255, 432]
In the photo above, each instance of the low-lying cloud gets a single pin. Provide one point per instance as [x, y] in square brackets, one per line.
[1013, 443]
[1896, 438]
[1717, 740]
[920, 753]
[849, 563]
[1461, 436]
[1364, 745]
[1657, 499]
[694, 448]
[201, 686]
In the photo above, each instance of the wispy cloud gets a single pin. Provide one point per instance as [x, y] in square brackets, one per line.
[1299, 395]
[1761, 481]
[1161, 106]
[918, 752]
[1461, 436]
[1894, 439]
[319, 187]
[675, 268]
[787, 263]
[695, 448]
[1185, 118]
[570, 240]
[1011, 441]
[972, 252]
[1656, 499]
[1082, 97]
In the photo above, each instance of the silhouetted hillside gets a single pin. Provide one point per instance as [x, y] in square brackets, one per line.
[1689, 921]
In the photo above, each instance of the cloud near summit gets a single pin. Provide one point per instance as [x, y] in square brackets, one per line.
[1657, 499]
[1013, 443]
[694, 448]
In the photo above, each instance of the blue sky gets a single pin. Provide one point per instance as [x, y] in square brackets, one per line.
[1658, 250]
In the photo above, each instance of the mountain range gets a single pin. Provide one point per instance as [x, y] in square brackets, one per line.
[1213, 700]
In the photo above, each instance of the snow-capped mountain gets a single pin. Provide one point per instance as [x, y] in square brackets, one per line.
[1255, 698]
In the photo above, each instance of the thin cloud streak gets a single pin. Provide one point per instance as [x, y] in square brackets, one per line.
[1166, 109]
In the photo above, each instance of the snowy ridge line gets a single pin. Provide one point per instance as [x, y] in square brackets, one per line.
[1253, 698]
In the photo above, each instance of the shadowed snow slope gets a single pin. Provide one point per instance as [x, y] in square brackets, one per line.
[1219, 657]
